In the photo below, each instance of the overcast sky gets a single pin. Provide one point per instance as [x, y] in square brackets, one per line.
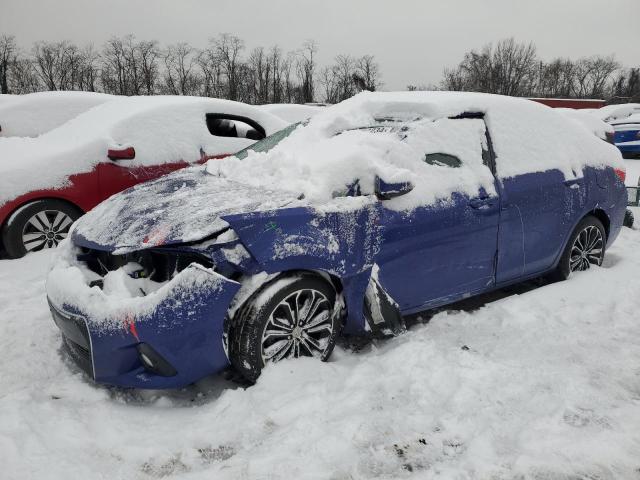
[413, 40]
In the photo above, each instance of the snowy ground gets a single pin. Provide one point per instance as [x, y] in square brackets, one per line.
[543, 383]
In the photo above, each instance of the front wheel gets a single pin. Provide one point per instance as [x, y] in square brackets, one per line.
[585, 248]
[291, 317]
[37, 226]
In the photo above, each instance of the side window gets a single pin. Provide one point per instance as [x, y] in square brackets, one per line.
[222, 125]
[443, 160]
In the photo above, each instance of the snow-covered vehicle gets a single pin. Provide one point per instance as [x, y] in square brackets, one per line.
[627, 135]
[383, 205]
[611, 113]
[33, 114]
[48, 182]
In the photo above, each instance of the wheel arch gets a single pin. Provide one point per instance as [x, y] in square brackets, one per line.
[601, 215]
[26, 202]
[244, 298]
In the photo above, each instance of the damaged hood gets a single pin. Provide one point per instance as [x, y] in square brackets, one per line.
[185, 206]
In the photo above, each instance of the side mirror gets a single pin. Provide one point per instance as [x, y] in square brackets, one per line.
[386, 191]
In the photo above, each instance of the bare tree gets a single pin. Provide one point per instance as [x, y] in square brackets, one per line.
[260, 75]
[306, 70]
[626, 86]
[368, 72]
[52, 62]
[114, 73]
[180, 77]
[228, 49]
[7, 57]
[211, 74]
[592, 76]
[23, 77]
[148, 54]
[556, 79]
[509, 68]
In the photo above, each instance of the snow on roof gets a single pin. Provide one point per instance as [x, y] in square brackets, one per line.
[527, 137]
[634, 118]
[5, 98]
[588, 120]
[161, 129]
[291, 112]
[610, 113]
[36, 113]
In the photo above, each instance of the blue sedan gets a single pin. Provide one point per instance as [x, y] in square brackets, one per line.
[627, 136]
[382, 206]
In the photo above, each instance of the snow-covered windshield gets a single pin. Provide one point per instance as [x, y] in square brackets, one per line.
[269, 142]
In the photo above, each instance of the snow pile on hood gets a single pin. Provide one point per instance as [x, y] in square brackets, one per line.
[316, 161]
[291, 112]
[36, 113]
[591, 122]
[182, 207]
[161, 129]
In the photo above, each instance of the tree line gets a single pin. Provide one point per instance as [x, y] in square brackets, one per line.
[226, 69]
[223, 69]
[512, 68]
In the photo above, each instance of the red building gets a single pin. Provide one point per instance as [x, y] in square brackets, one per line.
[570, 102]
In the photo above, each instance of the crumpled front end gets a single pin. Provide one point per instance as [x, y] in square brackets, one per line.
[155, 321]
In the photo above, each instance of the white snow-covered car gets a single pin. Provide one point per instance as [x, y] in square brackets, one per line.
[36, 113]
[49, 181]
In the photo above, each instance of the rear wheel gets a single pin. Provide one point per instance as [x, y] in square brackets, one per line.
[291, 317]
[585, 248]
[37, 226]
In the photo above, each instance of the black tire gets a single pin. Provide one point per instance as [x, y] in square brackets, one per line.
[20, 234]
[246, 337]
[628, 219]
[592, 256]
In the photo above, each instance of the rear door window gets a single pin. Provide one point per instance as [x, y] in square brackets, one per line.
[221, 125]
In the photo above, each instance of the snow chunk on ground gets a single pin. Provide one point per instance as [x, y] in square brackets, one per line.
[540, 384]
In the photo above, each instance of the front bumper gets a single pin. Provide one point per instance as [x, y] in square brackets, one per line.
[183, 323]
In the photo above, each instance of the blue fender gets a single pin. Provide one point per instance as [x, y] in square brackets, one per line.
[342, 243]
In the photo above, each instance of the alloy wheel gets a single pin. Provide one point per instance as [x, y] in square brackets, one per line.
[45, 229]
[588, 249]
[300, 325]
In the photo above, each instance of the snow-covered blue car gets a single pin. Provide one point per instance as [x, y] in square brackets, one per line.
[378, 207]
[627, 135]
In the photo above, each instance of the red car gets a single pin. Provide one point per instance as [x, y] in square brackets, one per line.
[48, 182]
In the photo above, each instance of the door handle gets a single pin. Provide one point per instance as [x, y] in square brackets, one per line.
[573, 183]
